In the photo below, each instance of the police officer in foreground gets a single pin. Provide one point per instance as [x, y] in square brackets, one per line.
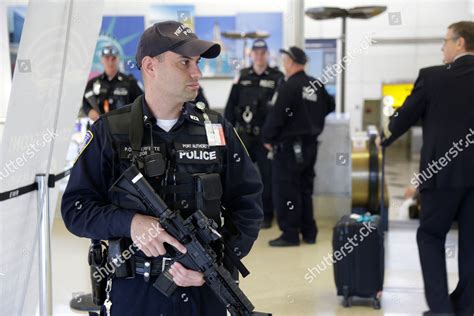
[443, 98]
[247, 109]
[291, 130]
[162, 123]
[112, 89]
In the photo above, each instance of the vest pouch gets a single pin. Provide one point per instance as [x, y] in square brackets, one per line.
[123, 268]
[208, 194]
[154, 165]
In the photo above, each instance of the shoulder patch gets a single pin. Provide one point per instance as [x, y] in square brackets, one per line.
[87, 140]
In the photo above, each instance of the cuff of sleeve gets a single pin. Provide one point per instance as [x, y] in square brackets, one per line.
[121, 224]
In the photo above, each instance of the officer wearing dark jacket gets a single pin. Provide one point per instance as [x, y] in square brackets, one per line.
[111, 90]
[291, 131]
[443, 99]
[247, 109]
[164, 122]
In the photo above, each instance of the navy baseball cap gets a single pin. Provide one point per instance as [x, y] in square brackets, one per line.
[259, 43]
[110, 51]
[176, 37]
[296, 54]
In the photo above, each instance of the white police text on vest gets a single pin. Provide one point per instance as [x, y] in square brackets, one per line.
[198, 155]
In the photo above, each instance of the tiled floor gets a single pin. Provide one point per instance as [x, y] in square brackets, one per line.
[276, 283]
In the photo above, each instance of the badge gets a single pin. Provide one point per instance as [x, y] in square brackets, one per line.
[247, 115]
[308, 94]
[215, 134]
[96, 88]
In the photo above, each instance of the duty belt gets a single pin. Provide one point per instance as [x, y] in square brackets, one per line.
[150, 267]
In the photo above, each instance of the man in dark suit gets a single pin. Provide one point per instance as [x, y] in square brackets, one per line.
[443, 98]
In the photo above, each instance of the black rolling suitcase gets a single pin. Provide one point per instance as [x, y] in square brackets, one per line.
[358, 253]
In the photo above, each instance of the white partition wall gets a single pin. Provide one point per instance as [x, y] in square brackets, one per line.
[54, 59]
[5, 71]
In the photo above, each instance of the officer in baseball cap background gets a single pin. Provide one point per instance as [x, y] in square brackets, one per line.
[168, 55]
[291, 131]
[247, 108]
[110, 90]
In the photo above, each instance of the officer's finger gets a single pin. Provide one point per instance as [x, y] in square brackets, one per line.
[158, 246]
[146, 251]
[173, 242]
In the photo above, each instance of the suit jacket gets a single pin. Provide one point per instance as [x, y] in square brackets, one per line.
[443, 98]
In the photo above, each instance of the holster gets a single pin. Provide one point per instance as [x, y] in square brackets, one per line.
[123, 268]
[97, 260]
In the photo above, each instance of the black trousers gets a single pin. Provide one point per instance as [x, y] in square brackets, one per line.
[293, 191]
[259, 155]
[439, 207]
[137, 297]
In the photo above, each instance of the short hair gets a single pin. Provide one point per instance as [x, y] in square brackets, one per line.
[464, 29]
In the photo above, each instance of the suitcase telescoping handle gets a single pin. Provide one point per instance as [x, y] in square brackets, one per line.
[383, 210]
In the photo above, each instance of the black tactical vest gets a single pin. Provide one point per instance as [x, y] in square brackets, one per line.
[116, 92]
[254, 94]
[191, 178]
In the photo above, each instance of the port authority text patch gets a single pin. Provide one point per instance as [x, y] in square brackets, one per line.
[195, 153]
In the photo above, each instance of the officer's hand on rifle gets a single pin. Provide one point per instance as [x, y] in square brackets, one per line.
[148, 235]
[185, 277]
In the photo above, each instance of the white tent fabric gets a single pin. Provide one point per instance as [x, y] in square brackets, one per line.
[5, 72]
[54, 59]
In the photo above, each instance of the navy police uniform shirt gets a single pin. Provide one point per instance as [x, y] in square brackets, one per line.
[300, 106]
[88, 212]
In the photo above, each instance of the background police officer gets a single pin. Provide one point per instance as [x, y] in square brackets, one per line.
[163, 122]
[291, 130]
[247, 108]
[443, 99]
[111, 90]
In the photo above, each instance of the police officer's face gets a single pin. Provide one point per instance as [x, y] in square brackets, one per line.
[452, 45]
[259, 57]
[178, 76]
[110, 64]
[287, 63]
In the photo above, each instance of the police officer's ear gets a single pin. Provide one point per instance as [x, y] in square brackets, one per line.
[461, 43]
[149, 66]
